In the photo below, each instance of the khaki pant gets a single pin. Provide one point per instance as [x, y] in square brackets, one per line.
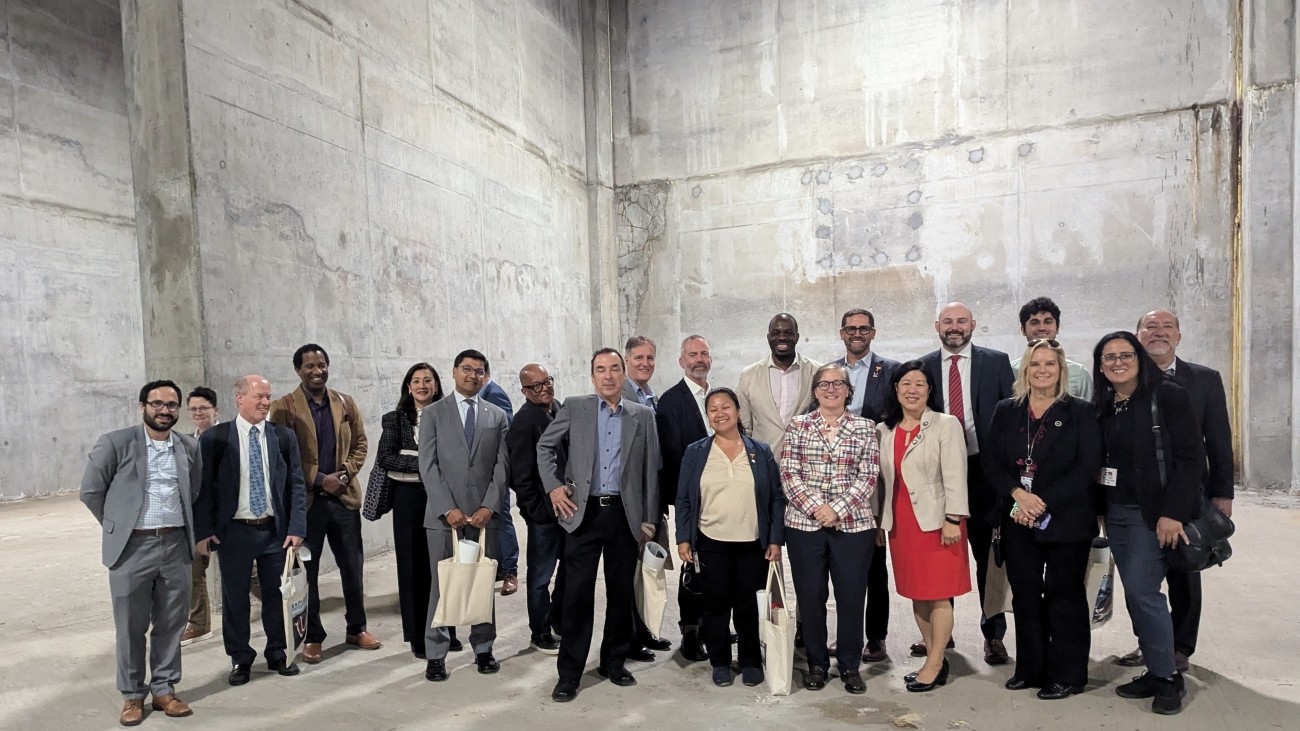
[200, 612]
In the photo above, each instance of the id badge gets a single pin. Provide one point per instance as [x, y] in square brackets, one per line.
[1027, 481]
[1109, 476]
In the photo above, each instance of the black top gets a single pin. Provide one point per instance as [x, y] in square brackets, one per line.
[326, 441]
[1119, 430]
[521, 442]
[1205, 389]
[397, 434]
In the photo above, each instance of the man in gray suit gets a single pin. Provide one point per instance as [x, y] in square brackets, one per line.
[608, 504]
[139, 486]
[463, 467]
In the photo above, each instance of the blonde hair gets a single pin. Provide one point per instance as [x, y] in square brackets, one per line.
[1020, 388]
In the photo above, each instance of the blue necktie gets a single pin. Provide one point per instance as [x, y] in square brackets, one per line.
[256, 476]
[469, 423]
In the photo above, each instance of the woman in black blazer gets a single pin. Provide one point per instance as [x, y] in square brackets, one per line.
[1145, 509]
[397, 455]
[1042, 460]
[732, 520]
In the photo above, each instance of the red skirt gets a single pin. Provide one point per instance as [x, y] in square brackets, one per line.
[924, 568]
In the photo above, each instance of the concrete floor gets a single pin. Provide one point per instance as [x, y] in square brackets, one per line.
[56, 670]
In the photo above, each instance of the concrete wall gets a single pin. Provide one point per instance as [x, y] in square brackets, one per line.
[69, 286]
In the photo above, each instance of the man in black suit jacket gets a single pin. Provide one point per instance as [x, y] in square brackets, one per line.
[507, 539]
[1159, 334]
[251, 523]
[680, 421]
[970, 381]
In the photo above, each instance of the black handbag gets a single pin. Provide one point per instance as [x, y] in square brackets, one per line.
[1207, 533]
[379, 495]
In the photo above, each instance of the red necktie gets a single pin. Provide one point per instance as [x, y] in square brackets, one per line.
[955, 406]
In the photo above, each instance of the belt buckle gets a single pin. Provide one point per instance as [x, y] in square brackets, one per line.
[606, 500]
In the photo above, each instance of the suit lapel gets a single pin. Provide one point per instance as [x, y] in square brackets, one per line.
[140, 459]
[920, 436]
[627, 433]
[182, 469]
[336, 414]
[303, 410]
[976, 368]
[480, 412]
[275, 465]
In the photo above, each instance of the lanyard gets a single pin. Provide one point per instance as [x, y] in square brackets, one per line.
[1032, 441]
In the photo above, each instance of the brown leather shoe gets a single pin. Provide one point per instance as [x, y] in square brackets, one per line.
[995, 653]
[1132, 660]
[364, 640]
[194, 634]
[311, 652]
[132, 712]
[172, 706]
[509, 585]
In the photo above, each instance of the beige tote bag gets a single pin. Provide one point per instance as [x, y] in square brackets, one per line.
[776, 629]
[293, 598]
[466, 591]
[651, 587]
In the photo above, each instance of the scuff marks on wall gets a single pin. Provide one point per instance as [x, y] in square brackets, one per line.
[640, 219]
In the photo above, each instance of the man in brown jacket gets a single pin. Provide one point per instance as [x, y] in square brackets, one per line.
[332, 443]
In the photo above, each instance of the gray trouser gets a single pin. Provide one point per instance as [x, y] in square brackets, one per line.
[150, 583]
[437, 639]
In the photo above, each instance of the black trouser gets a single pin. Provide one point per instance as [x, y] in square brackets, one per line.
[604, 530]
[414, 577]
[845, 559]
[329, 518]
[877, 615]
[242, 547]
[1049, 595]
[979, 532]
[731, 573]
[1185, 608]
[545, 546]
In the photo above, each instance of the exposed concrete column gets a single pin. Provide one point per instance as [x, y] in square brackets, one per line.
[596, 65]
[153, 40]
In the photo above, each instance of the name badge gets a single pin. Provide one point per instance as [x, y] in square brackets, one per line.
[1027, 482]
[1108, 476]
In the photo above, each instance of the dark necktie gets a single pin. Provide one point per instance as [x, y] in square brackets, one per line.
[256, 476]
[955, 405]
[469, 423]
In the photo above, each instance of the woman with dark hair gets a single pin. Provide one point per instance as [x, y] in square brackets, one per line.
[1151, 478]
[923, 474]
[397, 454]
[829, 464]
[730, 509]
[1042, 459]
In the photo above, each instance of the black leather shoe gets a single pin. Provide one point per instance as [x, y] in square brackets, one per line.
[650, 642]
[1016, 683]
[419, 653]
[618, 676]
[853, 682]
[1058, 691]
[995, 653]
[918, 648]
[814, 679]
[874, 652]
[640, 654]
[486, 663]
[280, 667]
[240, 674]
[909, 678]
[455, 645]
[565, 691]
[798, 637]
[916, 686]
[692, 649]
[436, 671]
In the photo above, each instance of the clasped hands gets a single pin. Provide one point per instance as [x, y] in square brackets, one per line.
[457, 519]
[827, 516]
[1032, 507]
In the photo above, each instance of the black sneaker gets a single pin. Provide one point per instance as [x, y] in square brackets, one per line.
[545, 644]
[1143, 686]
[1169, 696]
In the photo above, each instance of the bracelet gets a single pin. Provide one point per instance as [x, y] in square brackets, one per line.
[951, 520]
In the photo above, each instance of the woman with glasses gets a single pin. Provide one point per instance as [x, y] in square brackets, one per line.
[397, 454]
[1043, 457]
[730, 513]
[1154, 457]
[829, 463]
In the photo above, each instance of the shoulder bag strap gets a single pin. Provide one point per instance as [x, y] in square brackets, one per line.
[1155, 432]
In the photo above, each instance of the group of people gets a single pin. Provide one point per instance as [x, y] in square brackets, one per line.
[848, 468]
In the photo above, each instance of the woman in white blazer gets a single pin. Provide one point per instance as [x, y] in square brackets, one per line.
[923, 477]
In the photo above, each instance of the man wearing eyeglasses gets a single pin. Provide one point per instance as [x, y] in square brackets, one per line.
[202, 405]
[139, 485]
[870, 374]
[545, 542]
[1040, 319]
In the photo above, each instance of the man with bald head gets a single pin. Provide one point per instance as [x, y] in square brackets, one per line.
[1159, 333]
[970, 381]
[545, 543]
[252, 506]
[777, 387]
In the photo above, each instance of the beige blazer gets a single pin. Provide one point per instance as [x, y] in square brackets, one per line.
[758, 410]
[291, 411]
[934, 468]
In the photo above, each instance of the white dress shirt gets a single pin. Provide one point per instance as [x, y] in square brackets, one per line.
[462, 406]
[858, 373]
[785, 388]
[245, 428]
[968, 408]
[162, 488]
[699, 392]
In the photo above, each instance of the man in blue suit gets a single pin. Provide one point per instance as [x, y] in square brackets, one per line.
[252, 506]
[507, 539]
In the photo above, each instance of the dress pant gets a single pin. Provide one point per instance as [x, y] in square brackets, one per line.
[200, 610]
[437, 640]
[604, 531]
[876, 621]
[329, 518]
[1141, 565]
[545, 546]
[507, 540]
[1048, 593]
[731, 572]
[979, 532]
[150, 584]
[1185, 608]
[243, 547]
[413, 570]
[845, 558]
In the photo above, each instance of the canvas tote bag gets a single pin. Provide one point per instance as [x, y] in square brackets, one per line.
[776, 629]
[466, 591]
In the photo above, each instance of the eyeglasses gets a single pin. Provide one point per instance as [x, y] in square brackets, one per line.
[200, 409]
[835, 385]
[164, 405]
[1113, 358]
[861, 330]
[538, 387]
[471, 371]
[1041, 341]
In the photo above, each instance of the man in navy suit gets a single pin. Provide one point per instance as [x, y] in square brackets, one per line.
[971, 381]
[870, 375]
[507, 539]
[252, 506]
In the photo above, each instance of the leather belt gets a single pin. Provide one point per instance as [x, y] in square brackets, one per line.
[155, 531]
[607, 500]
[255, 521]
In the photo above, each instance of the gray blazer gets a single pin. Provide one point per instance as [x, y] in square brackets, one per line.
[114, 483]
[457, 475]
[573, 432]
